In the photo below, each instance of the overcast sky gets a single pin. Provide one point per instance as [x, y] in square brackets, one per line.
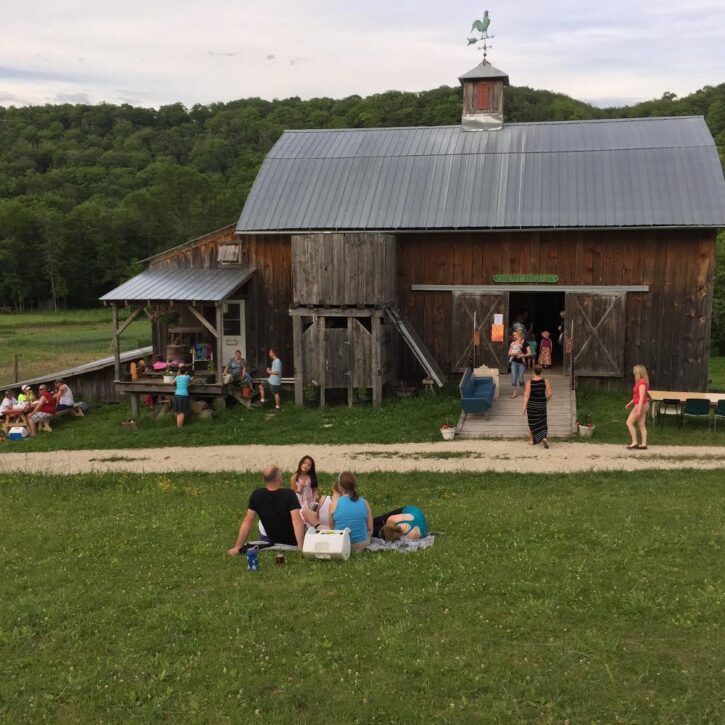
[155, 52]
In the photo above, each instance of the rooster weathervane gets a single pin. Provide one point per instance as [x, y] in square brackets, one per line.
[482, 27]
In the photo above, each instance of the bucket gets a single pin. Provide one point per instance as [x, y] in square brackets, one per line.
[169, 378]
[586, 431]
[448, 433]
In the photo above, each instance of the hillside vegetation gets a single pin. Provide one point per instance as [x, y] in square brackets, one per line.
[87, 191]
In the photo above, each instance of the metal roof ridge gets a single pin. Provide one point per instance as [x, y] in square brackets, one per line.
[518, 152]
[581, 121]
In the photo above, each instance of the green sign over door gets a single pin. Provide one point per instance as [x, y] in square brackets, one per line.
[526, 278]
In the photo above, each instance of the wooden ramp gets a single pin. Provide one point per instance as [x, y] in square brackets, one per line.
[504, 419]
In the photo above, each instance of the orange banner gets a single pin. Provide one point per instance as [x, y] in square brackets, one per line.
[496, 333]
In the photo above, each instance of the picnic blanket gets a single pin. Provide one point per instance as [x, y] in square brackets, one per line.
[402, 545]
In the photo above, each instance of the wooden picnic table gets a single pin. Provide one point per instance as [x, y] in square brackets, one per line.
[658, 396]
[15, 417]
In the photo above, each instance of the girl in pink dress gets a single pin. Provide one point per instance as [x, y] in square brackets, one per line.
[545, 350]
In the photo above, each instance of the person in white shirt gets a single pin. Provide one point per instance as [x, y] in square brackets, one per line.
[8, 402]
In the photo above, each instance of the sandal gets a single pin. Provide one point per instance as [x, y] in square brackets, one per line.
[633, 447]
[546, 444]
[642, 448]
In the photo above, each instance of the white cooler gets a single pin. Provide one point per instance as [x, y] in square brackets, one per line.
[327, 544]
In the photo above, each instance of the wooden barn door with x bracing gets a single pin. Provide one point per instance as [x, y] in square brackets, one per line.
[476, 312]
[596, 324]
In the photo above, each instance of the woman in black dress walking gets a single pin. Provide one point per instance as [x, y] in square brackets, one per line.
[536, 394]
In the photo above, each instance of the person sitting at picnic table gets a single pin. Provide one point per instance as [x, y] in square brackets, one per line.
[351, 511]
[43, 409]
[26, 395]
[9, 400]
[274, 381]
[278, 510]
[63, 396]
[237, 368]
[408, 522]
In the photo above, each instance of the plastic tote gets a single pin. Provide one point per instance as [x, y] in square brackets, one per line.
[327, 544]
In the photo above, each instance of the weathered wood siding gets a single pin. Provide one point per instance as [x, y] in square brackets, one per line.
[268, 294]
[667, 329]
[343, 269]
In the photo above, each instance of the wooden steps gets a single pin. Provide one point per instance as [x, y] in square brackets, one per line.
[504, 419]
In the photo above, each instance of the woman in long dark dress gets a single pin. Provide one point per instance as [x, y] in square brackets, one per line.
[536, 395]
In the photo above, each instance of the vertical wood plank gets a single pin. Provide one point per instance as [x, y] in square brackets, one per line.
[350, 360]
[321, 346]
[377, 364]
[298, 357]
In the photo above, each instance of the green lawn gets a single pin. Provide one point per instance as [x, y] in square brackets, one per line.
[594, 598]
[408, 420]
[50, 341]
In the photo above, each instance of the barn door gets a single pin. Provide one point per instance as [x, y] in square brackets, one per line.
[596, 325]
[481, 308]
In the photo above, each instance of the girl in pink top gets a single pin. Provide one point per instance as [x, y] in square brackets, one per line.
[304, 482]
[640, 406]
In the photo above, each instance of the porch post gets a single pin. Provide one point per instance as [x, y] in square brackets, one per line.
[116, 343]
[221, 400]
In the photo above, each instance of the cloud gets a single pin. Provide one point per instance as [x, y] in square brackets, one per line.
[161, 49]
[83, 98]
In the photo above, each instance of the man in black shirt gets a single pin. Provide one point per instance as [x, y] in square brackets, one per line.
[278, 510]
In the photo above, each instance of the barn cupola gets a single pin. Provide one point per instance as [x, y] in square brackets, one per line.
[483, 98]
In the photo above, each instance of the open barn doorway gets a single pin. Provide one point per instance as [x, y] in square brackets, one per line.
[540, 311]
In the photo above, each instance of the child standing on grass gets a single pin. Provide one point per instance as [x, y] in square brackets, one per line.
[181, 396]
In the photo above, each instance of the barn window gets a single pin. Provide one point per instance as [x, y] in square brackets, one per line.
[228, 254]
[482, 96]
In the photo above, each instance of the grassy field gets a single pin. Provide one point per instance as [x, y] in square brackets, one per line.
[593, 598]
[398, 421]
[47, 342]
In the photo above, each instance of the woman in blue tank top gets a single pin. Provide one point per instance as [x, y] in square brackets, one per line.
[352, 512]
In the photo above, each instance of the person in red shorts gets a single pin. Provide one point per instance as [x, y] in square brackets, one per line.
[43, 409]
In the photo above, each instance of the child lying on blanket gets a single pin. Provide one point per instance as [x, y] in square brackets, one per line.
[408, 521]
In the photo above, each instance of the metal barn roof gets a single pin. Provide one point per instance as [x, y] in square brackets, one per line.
[612, 173]
[184, 285]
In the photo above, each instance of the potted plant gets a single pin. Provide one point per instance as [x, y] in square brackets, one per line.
[448, 432]
[585, 426]
[311, 393]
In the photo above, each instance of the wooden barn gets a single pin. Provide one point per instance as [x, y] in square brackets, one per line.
[605, 228]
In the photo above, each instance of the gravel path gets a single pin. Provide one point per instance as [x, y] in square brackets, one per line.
[469, 456]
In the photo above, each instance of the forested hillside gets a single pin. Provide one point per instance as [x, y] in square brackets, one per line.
[85, 191]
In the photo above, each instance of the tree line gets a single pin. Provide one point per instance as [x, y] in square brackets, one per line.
[86, 191]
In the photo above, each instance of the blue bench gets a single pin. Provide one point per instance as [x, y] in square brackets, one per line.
[476, 393]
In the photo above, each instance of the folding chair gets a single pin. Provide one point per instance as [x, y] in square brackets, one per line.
[719, 412]
[669, 406]
[696, 408]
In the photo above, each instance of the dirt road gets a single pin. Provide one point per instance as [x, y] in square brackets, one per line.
[469, 456]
